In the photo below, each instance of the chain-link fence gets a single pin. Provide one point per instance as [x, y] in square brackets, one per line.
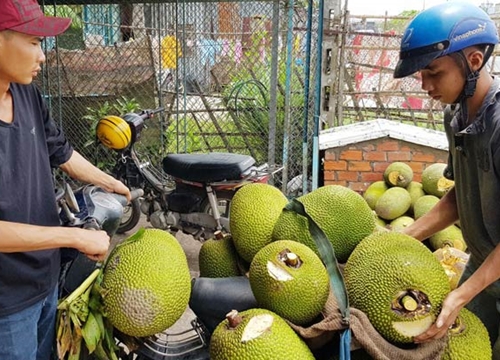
[231, 77]
[368, 47]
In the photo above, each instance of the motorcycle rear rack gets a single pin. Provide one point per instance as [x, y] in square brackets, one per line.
[190, 344]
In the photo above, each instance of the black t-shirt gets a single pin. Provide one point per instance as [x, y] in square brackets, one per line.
[29, 147]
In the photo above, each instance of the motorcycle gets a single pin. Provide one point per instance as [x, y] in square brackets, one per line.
[192, 193]
[91, 207]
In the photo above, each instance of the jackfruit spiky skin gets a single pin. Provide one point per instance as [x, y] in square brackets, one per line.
[434, 182]
[374, 192]
[423, 205]
[340, 212]
[384, 268]
[398, 174]
[393, 203]
[468, 339]
[254, 210]
[218, 258]
[146, 283]
[297, 292]
[272, 339]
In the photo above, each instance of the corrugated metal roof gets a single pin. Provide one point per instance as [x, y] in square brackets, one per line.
[379, 128]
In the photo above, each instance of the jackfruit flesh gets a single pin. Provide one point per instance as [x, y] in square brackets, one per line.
[453, 261]
[256, 334]
[398, 283]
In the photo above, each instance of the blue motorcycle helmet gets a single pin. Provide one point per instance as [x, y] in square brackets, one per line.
[442, 30]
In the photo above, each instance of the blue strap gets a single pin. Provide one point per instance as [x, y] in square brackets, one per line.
[327, 255]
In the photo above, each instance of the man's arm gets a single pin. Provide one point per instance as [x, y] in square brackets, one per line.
[442, 215]
[17, 237]
[79, 168]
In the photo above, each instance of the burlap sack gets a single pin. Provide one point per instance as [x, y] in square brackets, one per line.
[364, 335]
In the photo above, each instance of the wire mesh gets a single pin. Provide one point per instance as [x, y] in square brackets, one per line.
[208, 64]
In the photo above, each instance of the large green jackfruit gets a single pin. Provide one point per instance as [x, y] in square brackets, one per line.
[342, 214]
[146, 283]
[256, 334]
[434, 182]
[398, 282]
[416, 191]
[253, 212]
[393, 203]
[398, 174]
[374, 192]
[450, 236]
[423, 205]
[218, 257]
[288, 278]
[468, 339]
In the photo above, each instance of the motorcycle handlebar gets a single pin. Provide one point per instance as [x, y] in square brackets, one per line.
[134, 194]
[149, 113]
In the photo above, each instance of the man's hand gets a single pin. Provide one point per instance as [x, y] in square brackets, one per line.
[94, 244]
[449, 312]
[120, 188]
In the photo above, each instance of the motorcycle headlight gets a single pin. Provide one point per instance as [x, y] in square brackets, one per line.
[114, 132]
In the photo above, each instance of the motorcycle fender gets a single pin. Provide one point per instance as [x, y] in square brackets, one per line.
[200, 219]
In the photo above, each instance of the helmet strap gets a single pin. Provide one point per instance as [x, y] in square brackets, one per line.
[471, 78]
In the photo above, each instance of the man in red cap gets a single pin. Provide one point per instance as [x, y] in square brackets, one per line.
[31, 145]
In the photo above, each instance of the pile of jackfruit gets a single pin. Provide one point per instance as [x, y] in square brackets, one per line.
[397, 281]
[398, 200]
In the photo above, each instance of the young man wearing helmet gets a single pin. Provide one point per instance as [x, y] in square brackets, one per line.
[30, 146]
[449, 44]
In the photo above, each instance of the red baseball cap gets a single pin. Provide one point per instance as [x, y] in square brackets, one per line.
[26, 16]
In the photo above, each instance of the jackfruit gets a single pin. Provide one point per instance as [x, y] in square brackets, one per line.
[146, 283]
[434, 182]
[398, 224]
[398, 283]
[416, 191]
[468, 339]
[218, 258]
[289, 279]
[453, 261]
[379, 221]
[253, 211]
[342, 214]
[374, 192]
[393, 203]
[423, 205]
[256, 334]
[450, 236]
[398, 174]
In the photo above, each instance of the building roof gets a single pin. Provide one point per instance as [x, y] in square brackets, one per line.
[380, 128]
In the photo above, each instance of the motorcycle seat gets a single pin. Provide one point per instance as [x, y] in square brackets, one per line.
[205, 168]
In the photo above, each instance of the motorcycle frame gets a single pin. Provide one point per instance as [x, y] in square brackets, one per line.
[259, 174]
